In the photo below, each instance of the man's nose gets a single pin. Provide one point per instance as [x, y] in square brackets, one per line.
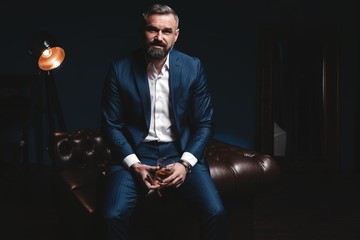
[159, 36]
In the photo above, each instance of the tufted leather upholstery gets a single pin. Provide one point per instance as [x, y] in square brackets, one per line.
[81, 159]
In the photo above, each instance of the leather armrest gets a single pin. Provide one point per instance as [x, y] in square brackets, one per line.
[238, 171]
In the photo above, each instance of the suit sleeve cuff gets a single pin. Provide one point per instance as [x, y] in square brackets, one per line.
[189, 158]
[130, 160]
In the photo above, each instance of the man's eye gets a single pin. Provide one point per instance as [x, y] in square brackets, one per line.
[151, 29]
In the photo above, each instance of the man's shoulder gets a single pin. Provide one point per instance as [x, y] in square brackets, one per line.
[179, 55]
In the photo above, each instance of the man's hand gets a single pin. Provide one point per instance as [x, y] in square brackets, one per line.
[145, 173]
[176, 178]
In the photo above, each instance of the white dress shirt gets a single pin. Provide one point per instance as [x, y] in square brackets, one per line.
[160, 123]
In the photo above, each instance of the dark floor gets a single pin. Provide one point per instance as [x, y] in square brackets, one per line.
[302, 207]
[26, 203]
[310, 207]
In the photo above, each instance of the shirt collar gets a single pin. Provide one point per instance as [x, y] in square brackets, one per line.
[152, 71]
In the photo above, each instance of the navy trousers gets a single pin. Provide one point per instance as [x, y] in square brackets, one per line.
[123, 191]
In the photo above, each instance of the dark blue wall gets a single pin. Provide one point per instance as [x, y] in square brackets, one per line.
[224, 37]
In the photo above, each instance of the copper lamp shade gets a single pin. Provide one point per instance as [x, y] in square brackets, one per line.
[51, 58]
[48, 53]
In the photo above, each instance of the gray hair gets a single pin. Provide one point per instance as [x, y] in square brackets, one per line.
[162, 10]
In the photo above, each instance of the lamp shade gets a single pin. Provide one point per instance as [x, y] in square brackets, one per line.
[48, 53]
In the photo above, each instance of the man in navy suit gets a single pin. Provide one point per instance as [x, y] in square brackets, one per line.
[156, 104]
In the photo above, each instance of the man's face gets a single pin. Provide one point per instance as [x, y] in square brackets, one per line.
[160, 35]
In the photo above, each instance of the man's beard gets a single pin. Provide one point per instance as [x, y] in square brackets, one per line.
[157, 53]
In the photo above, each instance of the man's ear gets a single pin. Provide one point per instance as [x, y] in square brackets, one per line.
[177, 32]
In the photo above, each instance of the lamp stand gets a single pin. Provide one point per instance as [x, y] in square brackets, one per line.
[55, 115]
[51, 118]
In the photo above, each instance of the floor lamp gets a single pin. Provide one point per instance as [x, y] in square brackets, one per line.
[49, 56]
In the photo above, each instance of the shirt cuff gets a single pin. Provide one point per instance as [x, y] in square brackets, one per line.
[189, 158]
[130, 160]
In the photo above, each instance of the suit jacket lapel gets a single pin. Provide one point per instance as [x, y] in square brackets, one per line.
[141, 80]
[174, 82]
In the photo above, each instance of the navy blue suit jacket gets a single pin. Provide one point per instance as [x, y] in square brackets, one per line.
[126, 104]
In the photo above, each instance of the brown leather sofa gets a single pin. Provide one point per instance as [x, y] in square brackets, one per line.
[80, 163]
